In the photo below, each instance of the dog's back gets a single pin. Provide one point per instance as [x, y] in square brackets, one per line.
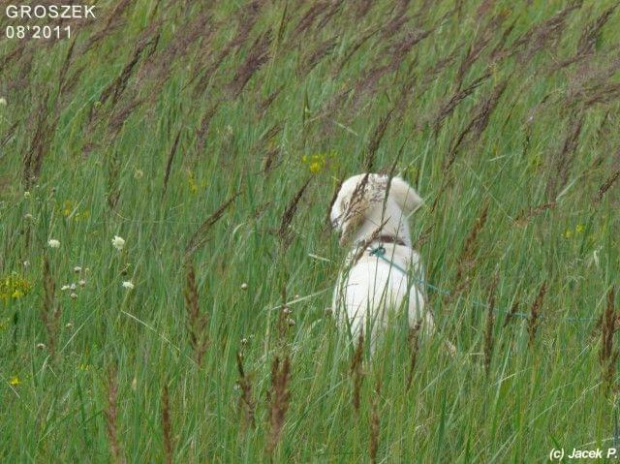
[375, 289]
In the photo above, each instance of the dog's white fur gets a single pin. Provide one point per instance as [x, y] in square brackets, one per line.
[370, 289]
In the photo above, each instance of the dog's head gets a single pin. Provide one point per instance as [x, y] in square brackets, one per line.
[362, 198]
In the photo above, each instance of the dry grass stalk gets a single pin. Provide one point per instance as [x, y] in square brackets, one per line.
[511, 314]
[499, 52]
[488, 332]
[279, 398]
[248, 17]
[563, 161]
[44, 128]
[590, 84]
[113, 170]
[336, 7]
[65, 66]
[257, 57]
[284, 233]
[375, 424]
[473, 53]
[589, 36]
[195, 34]
[542, 36]
[398, 19]
[606, 186]
[524, 217]
[400, 50]
[111, 417]
[328, 221]
[266, 103]
[118, 118]
[414, 348]
[270, 160]
[352, 50]
[314, 57]
[479, 122]
[118, 86]
[247, 404]
[608, 355]
[363, 247]
[362, 7]
[51, 312]
[535, 313]
[199, 237]
[197, 321]
[448, 107]
[8, 136]
[113, 22]
[313, 13]
[267, 138]
[357, 372]
[375, 141]
[171, 155]
[467, 257]
[166, 425]
[205, 122]
[14, 55]
[68, 85]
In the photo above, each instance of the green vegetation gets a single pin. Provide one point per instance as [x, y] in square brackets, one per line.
[210, 136]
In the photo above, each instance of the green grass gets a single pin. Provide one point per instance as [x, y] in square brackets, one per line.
[249, 92]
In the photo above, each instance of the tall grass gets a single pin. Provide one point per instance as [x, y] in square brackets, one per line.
[211, 136]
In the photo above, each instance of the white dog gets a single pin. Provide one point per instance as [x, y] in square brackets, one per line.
[383, 273]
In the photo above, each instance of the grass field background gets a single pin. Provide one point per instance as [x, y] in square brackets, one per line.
[211, 136]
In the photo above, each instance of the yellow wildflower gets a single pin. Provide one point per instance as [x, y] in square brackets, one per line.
[315, 167]
[580, 228]
[14, 381]
[13, 286]
[568, 233]
[316, 163]
[191, 182]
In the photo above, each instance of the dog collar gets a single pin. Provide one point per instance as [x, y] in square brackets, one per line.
[390, 239]
[379, 253]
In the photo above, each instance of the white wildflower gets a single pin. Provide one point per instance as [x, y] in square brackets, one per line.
[244, 286]
[77, 269]
[53, 243]
[118, 242]
[128, 284]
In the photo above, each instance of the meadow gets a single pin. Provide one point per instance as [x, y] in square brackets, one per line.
[166, 262]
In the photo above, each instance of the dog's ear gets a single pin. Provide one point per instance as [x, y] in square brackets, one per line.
[353, 218]
[405, 196]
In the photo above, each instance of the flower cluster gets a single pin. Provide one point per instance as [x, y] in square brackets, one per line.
[70, 210]
[13, 286]
[579, 229]
[81, 283]
[316, 163]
